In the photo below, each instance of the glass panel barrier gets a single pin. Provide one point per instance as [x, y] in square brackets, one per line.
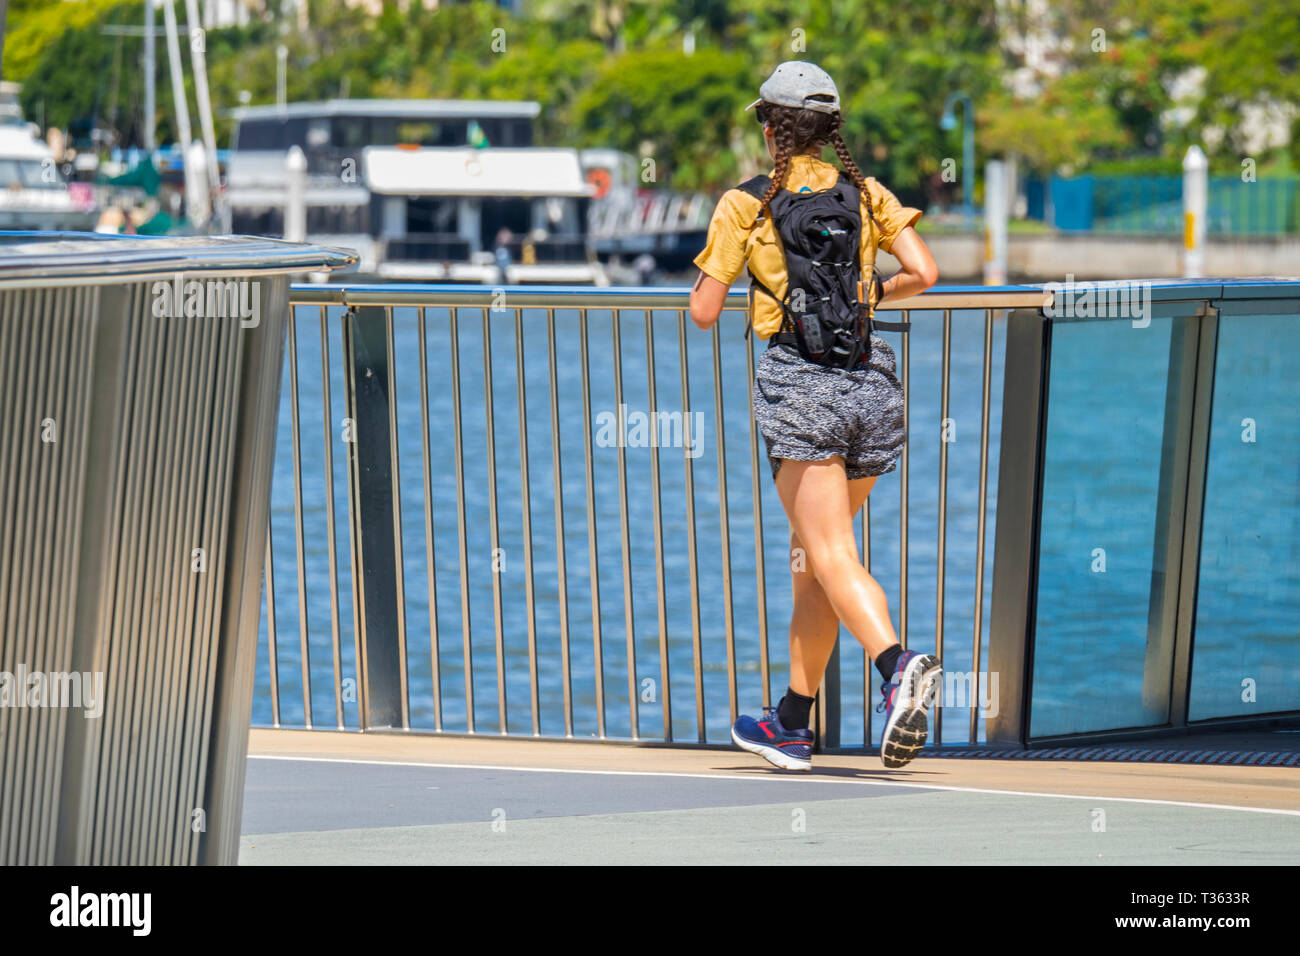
[1100, 581]
[1246, 653]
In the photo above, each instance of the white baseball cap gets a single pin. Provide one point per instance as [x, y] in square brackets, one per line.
[794, 83]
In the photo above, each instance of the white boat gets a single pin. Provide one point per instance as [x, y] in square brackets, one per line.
[423, 190]
[33, 192]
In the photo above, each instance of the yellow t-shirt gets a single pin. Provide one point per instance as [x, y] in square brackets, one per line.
[735, 242]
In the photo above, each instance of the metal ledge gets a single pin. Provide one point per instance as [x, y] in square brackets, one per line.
[46, 259]
[630, 297]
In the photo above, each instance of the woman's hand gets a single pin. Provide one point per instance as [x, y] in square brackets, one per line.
[918, 271]
[707, 298]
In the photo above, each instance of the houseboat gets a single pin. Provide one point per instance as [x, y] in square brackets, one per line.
[423, 190]
[33, 193]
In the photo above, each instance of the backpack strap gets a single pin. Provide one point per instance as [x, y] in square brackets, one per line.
[891, 326]
[758, 187]
[874, 323]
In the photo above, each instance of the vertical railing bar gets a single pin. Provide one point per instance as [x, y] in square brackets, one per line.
[661, 600]
[943, 514]
[902, 487]
[981, 519]
[300, 543]
[591, 527]
[867, 679]
[460, 522]
[724, 518]
[394, 458]
[629, 618]
[354, 511]
[272, 649]
[693, 570]
[430, 554]
[527, 516]
[557, 478]
[760, 562]
[489, 414]
[329, 517]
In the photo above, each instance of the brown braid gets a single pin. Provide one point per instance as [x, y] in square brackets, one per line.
[795, 130]
[782, 121]
[850, 167]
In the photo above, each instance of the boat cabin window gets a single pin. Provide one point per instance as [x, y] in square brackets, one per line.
[506, 212]
[355, 132]
[29, 174]
[431, 215]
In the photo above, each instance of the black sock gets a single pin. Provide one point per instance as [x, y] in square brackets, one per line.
[888, 659]
[793, 710]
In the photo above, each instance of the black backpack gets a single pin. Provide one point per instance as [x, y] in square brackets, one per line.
[824, 316]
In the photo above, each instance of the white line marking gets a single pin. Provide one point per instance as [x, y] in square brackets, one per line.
[782, 779]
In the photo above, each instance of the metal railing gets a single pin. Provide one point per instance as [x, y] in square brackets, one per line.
[365, 320]
[1268, 206]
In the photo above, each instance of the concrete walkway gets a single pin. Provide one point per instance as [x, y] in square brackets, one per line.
[329, 797]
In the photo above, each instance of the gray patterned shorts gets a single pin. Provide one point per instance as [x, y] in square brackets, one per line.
[808, 412]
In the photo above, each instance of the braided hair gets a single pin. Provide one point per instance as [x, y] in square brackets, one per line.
[794, 130]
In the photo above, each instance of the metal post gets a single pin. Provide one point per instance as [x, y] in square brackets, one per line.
[597, 641]
[557, 483]
[625, 534]
[942, 553]
[728, 616]
[281, 74]
[150, 74]
[365, 348]
[1171, 500]
[526, 507]
[697, 662]
[661, 600]
[827, 734]
[981, 522]
[1207, 329]
[494, 533]
[1015, 555]
[904, 377]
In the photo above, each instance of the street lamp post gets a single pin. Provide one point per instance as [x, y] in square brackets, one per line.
[948, 122]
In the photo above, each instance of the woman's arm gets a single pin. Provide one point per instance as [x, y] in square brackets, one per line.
[918, 271]
[707, 298]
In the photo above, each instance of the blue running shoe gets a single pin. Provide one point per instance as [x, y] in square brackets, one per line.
[787, 749]
[907, 696]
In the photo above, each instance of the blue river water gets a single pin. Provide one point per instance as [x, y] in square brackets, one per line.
[1077, 614]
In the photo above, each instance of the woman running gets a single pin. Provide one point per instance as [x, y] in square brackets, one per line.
[825, 394]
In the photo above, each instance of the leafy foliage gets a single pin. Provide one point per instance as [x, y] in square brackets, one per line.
[620, 73]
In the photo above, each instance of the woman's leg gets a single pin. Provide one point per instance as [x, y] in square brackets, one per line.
[817, 502]
[814, 625]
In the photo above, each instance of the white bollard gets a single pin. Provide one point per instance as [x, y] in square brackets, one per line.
[295, 195]
[995, 222]
[1195, 200]
[198, 200]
